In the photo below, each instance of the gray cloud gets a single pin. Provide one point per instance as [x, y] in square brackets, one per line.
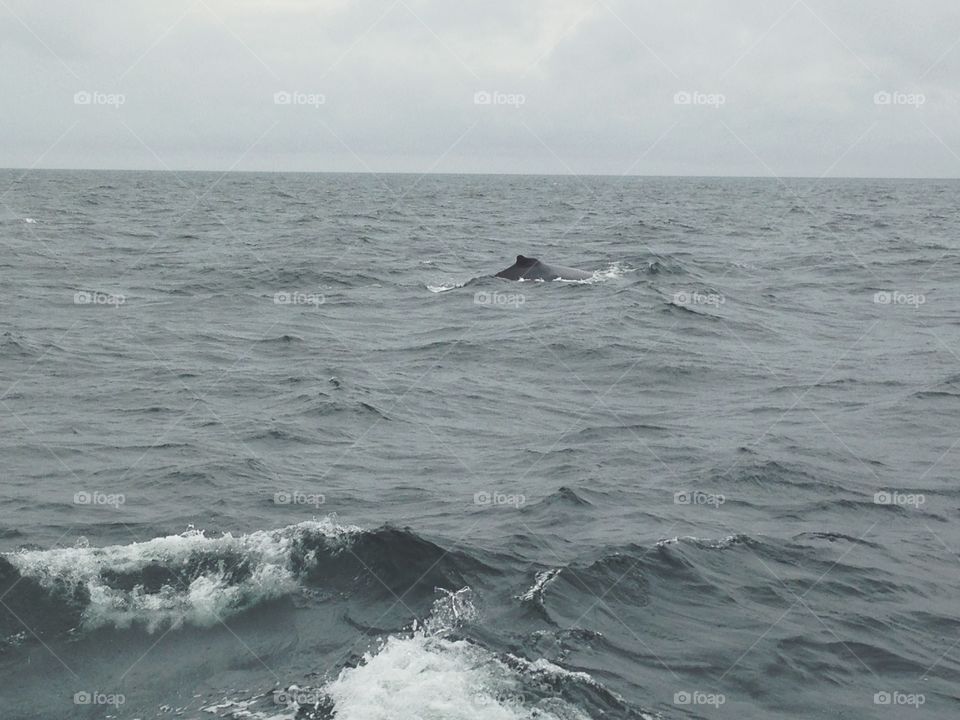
[784, 88]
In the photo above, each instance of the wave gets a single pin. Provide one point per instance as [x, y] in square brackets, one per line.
[186, 578]
[198, 580]
[17, 346]
[429, 675]
[432, 672]
[706, 543]
[448, 285]
[564, 496]
[832, 537]
[535, 592]
[674, 307]
[949, 387]
[600, 433]
[283, 339]
[613, 271]
[762, 473]
[632, 577]
[669, 267]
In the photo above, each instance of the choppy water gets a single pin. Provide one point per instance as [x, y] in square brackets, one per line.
[271, 430]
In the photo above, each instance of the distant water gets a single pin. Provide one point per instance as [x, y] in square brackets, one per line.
[263, 431]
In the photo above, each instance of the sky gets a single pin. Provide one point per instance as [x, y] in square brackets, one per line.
[812, 88]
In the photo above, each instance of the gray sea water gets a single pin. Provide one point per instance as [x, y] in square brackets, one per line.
[271, 430]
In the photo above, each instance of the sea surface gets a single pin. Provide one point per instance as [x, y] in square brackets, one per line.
[279, 446]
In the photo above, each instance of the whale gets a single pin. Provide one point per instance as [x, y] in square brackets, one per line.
[528, 268]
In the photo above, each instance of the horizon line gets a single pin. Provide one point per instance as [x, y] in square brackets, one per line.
[475, 173]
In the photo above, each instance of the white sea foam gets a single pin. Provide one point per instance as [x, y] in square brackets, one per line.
[444, 287]
[710, 543]
[429, 676]
[203, 597]
[611, 272]
[543, 578]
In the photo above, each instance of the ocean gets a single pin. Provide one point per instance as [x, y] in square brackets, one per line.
[279, 446]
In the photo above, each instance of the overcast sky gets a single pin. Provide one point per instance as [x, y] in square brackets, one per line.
[686, 87]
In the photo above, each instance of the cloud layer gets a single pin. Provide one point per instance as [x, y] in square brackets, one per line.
[790, 87]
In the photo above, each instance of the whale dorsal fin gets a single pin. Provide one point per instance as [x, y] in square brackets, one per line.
[521, 260]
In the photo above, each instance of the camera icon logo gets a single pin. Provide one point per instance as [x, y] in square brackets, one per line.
[883, 498]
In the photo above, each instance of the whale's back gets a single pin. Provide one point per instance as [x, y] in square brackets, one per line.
[528, 268]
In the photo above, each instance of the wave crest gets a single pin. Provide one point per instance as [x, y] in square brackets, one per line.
[182, 578]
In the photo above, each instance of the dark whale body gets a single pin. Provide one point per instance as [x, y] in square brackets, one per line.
[526, 268]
